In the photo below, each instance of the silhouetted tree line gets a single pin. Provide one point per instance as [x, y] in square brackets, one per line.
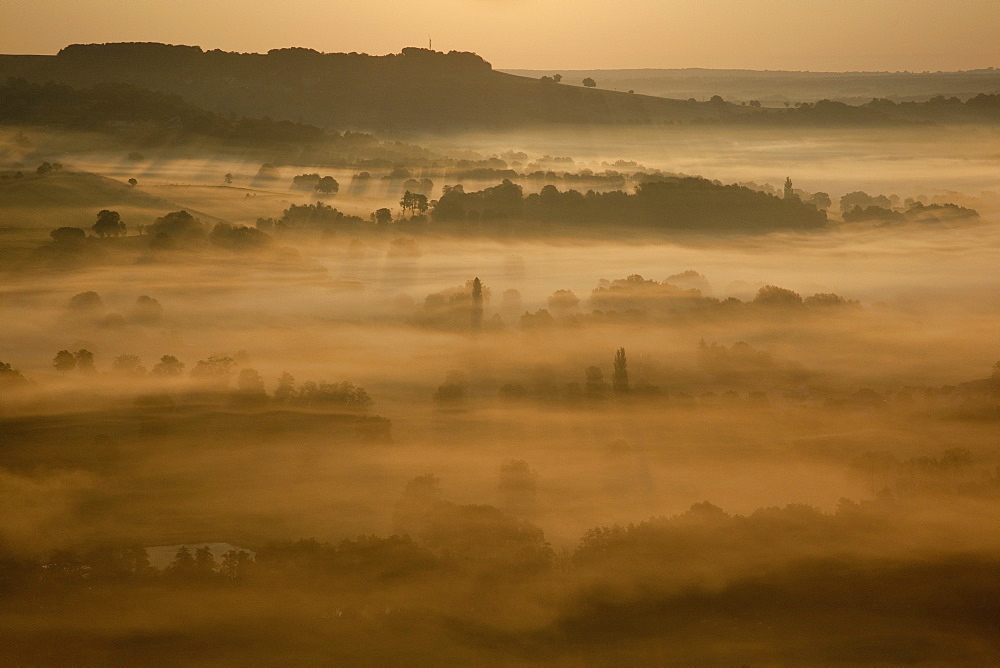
[772, 581]
[313, 394]
[619, 581]
[607, 178]
[953, 472]
[317, 217]
[917, 212]
[981, 108]
[176, 230]
[637, 298]
[690, 204]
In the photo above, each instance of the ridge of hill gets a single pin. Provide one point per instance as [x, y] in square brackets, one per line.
[417, 89]
[298, 91]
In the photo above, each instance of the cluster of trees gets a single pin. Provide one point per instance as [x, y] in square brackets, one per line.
[594, 386]
[692, 204]
[316, 217]
[630, 299]
[326, 185]
[89, 305]
[313, 394]
[743, 365]
[82, 360]
[214, 372]
[239, 237]
[48, 167]
[422, 186]
[820, 200]
[916, 212]
[740, 364]
[679, 294]
[131, 365]
[174, 230]
[414, 203]
[109, 224]
[884, 474]
[609, 178]
[11, 378]
[459, 307]
[981, 108]
[130, 565]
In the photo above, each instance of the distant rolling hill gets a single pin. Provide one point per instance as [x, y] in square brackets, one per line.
[774, 88]
[417, 89]
[68, 198]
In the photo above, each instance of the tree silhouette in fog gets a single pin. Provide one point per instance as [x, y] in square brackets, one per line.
[64, 361]
[382, 216]
[249, 380]
[68, 236]
[589, 83]
[238, 237]
[596, 386]
[518, 487]
[419, 495]
[168, 366]
[88, 301]
[147, 310]
[109, 224]
[176, 228]
[235, 565]
[128, 365]
[11, 377]
[204, 561]
[477, 304]
[415, 203]
[84, 361]
[455, 388]
[772, 295]
[327, 185]
[562, 302]
[214, 369]
[183, 565]
[250, 388]
[286, 388]
[619, 380]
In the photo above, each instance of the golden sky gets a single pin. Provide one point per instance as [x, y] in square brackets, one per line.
[914, 35]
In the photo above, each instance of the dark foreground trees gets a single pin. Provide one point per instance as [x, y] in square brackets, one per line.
[472, 582]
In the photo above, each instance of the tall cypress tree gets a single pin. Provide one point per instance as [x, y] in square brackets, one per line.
[619, 382]
[477, 304]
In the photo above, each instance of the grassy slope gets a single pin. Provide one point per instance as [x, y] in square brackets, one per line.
[74, 198]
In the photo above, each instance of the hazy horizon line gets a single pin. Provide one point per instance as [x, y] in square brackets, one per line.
[500, 68]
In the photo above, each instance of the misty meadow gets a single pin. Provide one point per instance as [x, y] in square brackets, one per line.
[323, 358]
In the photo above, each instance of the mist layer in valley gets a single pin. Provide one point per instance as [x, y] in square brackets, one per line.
[601, 396]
